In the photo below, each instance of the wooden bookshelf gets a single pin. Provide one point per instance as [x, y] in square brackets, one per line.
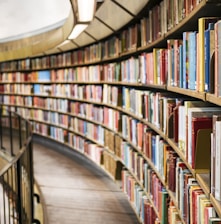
[156, 119]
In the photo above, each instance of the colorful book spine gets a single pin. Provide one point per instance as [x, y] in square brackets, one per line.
[192, 60]
[209, 50]
[185, 60]
[202, 26]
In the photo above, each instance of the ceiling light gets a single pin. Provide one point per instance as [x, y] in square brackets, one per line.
[83, 14]
[85, 10]
[78, 28]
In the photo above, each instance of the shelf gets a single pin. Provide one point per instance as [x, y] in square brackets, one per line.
[172, 196]
[204, 181]
[204, 8]
[216, 204]
[142, 187]
[190, 22]
[213, 99]
[180, 154]
[188, 92]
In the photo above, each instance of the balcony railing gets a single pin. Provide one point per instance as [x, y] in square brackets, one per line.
[16, 169]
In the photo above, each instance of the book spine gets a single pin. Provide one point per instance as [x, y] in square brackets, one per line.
[192, 60]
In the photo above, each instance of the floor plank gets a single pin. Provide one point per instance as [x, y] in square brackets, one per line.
[77, 191]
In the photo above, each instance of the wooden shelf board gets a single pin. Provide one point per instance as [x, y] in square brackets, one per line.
[180, 154]
[204, 181]
[188, 92]
[216, 204]
[213, 99]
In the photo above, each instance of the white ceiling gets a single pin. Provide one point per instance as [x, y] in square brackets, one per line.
[31, 28]
[23, 18]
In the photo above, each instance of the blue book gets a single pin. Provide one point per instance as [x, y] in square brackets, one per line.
[181, 66]
[153, 149]
[123, 97]
[192, 60]
[209, 44]
[44, 76]
[85, 132]
[37, 89]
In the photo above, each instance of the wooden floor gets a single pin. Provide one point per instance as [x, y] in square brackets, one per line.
[77, 191]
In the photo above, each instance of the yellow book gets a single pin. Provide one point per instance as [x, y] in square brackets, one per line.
[155, 66]
[203, 203]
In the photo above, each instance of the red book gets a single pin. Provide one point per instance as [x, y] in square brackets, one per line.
[187, 176]
[197, 124]
[140, 135]
[172, 171]
[177, 44]
[149, 67]
[163, 67]
[195, 209]
[145, 106]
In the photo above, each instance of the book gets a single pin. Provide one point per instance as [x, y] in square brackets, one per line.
[197, 112]
[181, 172]
[43, 76]
[217, 161]
[156, 70]
[214, 220]
[199, 207]
[203, 203]
[185, 60]
[192, 60]
[192, 189]
[217, 59]
[209, 51]
[214, 144]
[196, 195]
[183, 112]
[170, 56]
[189, 181]
[163, 213]
[203, 24]
[181, 66]
[149, 68]
[176, 118]
[171, 174]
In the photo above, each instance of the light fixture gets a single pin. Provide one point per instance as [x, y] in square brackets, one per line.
[83, 14]
[78, 28]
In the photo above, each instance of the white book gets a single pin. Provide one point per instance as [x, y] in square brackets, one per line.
[157, 149]
[105, 90]
[213, 156]
[218, 162]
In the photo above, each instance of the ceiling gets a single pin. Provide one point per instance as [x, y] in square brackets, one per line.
[23, 18]
[31, 28]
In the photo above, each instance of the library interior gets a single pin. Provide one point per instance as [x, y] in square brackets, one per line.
[110, 112]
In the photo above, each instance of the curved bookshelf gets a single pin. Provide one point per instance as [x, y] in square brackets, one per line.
[141, 94]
